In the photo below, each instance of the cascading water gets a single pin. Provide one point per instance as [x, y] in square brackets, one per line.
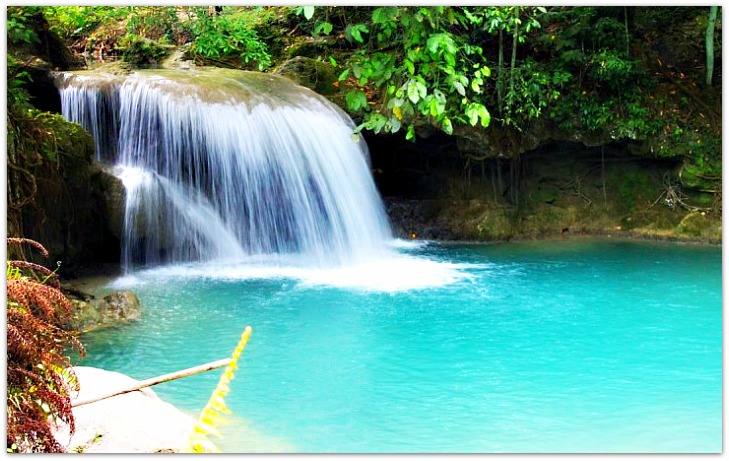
[225, 165]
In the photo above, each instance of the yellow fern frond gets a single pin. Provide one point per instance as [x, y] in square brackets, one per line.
[211, 416]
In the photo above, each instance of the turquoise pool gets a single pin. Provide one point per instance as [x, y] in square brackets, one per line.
[580, 345]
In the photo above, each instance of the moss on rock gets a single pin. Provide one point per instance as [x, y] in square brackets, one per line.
[311, 73]
[145, 52]
[53, 194]
[699, 225]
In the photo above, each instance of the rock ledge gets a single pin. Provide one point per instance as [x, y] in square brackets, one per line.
[136, 422]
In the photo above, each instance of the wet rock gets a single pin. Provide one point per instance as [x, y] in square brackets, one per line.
[91, 313]
[122, 306]
[113, 199]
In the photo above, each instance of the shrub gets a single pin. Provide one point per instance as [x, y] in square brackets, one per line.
[222, 38]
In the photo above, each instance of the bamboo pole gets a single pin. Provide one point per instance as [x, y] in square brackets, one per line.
[157, 380]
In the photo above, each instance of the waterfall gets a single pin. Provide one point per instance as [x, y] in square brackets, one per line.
[221, 165]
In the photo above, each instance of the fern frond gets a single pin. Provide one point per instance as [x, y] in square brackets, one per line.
[39, 378]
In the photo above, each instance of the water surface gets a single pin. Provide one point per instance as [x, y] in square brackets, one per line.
[560, 346]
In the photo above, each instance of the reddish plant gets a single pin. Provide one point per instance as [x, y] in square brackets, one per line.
[39, 377]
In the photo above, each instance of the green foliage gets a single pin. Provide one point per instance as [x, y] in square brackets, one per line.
[415, 65]
[17, 79]
[156, 23]
[254, 17]
[611, 68]
[535, 89]
[19, 27]
[427, 65]
[97, 22]
[219, 37]
[307, 11]
[71, 22]
[604, 89]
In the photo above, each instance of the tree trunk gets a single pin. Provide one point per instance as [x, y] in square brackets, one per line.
[500, 80]
[514, 44]
[710, 45]
[627, 32]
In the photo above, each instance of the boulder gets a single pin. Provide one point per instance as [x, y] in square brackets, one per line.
[91, 313]
[700, 225]
[311, 73]
[121, 306]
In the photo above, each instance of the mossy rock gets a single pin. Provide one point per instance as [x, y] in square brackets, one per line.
[700, 225]
[495, 224]
[145, 52]
[659, 217]
[693, 177]
[545, 193]
[476, 220]
[308, 47]
[549, 220]
[633, 188]
[116, 308]
[311, 73]
[116, 68]
[53, 136]
[66, 213]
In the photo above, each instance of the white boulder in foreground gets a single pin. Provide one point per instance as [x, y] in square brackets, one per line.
[136, 422]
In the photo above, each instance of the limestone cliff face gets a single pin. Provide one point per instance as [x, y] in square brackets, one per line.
[71, 208]
[433, 191]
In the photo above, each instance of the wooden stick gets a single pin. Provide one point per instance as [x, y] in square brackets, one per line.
[159, 379]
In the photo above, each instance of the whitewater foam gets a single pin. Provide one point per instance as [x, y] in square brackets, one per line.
[394, 272]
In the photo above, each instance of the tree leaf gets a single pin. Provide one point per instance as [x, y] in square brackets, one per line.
[309, 12]
[472, 116]
[397, 112]
[485, 116]
[323, 27]
[459, 88]
[416, 91]
[356, 99]
[409, 65]
[411, 133]
[434, 108]
[447, 125]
